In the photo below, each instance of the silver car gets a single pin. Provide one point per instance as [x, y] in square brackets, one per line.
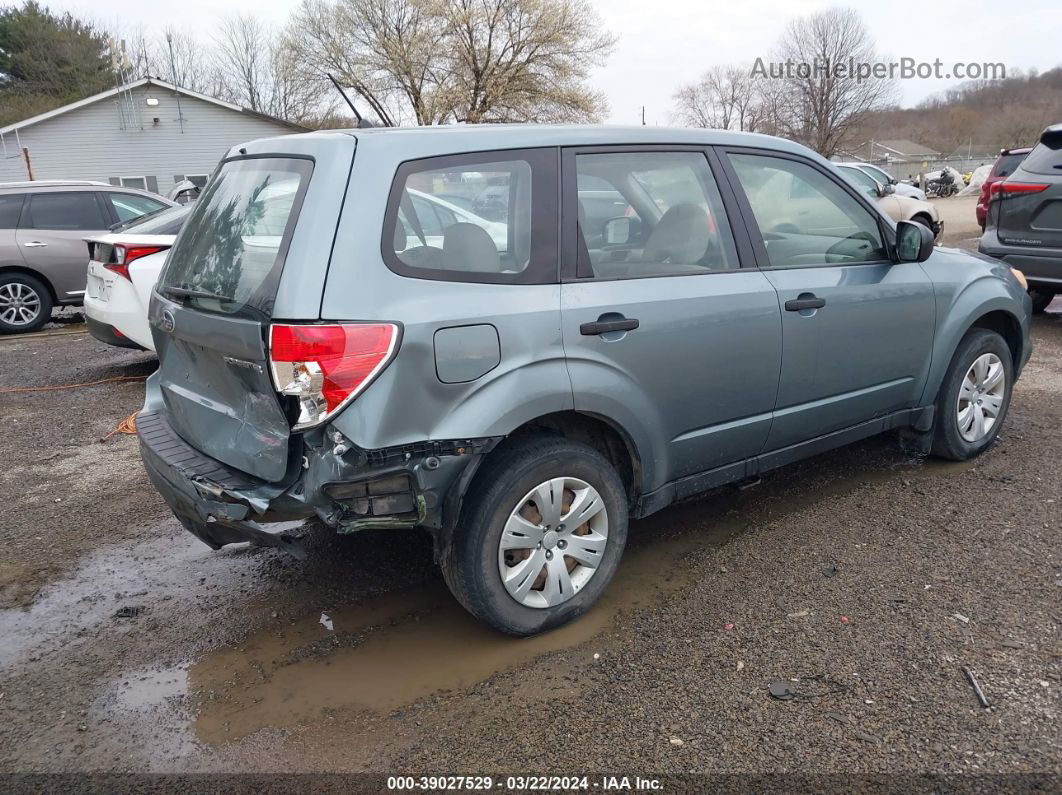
[333, 346]
[43, 254]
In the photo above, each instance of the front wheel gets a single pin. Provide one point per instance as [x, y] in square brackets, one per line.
[540, 536]
[974, 397]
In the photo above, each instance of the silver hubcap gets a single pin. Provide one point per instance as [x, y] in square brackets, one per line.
[553, 542]
[19, 304]
[981, 397]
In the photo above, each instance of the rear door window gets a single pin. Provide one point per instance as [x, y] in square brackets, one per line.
[230, 257]
[486, 217]
[10, 209]
[667, 216]
[66, 211]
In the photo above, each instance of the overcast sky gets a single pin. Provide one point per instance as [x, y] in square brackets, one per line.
[664, 43]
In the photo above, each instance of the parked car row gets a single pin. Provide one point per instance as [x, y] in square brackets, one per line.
[522, 385]
[42, 250]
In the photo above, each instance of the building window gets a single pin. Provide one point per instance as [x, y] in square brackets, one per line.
[141, 183]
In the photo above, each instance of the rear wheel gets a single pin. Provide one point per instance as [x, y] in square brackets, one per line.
[540, 537]
[25, 303]
[974, 397]
[1041, 299]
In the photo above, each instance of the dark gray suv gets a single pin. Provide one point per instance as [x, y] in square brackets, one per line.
[339, 340]
[1023, 226]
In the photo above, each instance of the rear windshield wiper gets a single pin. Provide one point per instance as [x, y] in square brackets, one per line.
[189, 292]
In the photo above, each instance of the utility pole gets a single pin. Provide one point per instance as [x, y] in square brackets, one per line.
[29, 165]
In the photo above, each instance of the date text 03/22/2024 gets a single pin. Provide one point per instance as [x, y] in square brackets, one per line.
[524, 783]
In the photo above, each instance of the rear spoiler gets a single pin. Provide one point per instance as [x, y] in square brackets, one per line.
[1052, 137]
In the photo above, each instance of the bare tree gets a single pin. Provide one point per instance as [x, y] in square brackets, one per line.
[824, 100]
[191, 66]
[263, 75]
[723, 98]
[524, 60]
[430, 61]
[388, 51]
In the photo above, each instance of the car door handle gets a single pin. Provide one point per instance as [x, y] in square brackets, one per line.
[804, 302]
[605, 326]
[35, 244]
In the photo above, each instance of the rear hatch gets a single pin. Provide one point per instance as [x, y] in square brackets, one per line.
[1027, 206]
[224, 283]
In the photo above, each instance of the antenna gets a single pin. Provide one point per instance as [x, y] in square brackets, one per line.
[361, 121]
[173, 79]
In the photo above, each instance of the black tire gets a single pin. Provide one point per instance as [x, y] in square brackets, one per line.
[471, 565]
[924, 220]
[1041, 299]
[41, 295]
[947, 439]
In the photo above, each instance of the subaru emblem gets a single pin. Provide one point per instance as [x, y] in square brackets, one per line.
[167, 323]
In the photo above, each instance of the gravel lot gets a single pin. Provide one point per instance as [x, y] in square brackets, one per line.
[865, 577]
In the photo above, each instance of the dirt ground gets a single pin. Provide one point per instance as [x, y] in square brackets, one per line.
[866, 578]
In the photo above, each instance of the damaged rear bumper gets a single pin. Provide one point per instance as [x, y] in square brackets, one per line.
[346, 487]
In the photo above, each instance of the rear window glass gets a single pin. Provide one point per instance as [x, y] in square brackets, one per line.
[1006, 164]
[229, 258]
[494, 236]
[488, 217]
[163, 222]
[1046, 158]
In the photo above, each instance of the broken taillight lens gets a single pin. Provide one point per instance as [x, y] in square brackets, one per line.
[123, 255]
[326, 366]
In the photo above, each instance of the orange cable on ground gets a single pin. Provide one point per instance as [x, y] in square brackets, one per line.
[8, 390]
[128, 425]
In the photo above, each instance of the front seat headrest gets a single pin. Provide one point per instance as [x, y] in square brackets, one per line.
[467, 247]
[681, 236]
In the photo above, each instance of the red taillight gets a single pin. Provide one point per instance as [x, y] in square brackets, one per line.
[325, 366]
[1009, 188]
[125, 254]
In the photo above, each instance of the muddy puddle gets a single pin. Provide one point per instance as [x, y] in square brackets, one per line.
[395, 650]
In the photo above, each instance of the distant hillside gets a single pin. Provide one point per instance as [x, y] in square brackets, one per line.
[991, 115]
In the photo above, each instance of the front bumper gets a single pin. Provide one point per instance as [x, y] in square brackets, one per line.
[348, 488]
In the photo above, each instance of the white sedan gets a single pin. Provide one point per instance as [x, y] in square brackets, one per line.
[122, 269]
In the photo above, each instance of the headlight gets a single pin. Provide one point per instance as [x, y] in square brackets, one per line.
[1021, 278]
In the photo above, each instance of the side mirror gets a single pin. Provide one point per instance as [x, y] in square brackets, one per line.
[914, 241]
[617, 231]
[888, 190]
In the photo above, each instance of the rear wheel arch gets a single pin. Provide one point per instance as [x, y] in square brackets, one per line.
[601, 434]
[6, 269]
